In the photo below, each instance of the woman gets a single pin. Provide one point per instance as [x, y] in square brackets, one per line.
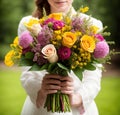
[39, 84]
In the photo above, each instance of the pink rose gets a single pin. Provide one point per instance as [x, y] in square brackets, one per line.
[64, 53]
[25, 39]
[49, 53]
[99, 37]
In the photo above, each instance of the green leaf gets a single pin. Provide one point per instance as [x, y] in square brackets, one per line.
[62, 66]
[90, 67]
[29, 55]
[37, 67]
[25, 62]
[78, 72]
[51, 67]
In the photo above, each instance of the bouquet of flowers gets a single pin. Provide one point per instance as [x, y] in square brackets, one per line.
[58, 43]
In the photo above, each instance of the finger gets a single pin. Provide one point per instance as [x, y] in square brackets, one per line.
[67, 92]
[52, 76]
[67, 88]
[66, 83]
[51, 91]
[66, 79]
[52, 87]
[52, 81]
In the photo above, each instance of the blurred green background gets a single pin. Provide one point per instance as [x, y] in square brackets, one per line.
[12, 95]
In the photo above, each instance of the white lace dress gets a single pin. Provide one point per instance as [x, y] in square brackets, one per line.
[88, 88]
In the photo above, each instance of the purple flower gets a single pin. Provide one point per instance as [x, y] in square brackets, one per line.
[58, 25]
[45, 36]
[99, 37]
[77, 24]
[64, 53]
[101, 50]
[39, 58]
[25, 39]
[25, 50]
[36, 48]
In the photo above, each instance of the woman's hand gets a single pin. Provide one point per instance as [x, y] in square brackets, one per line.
[53, 83]
[50, 84]
[67, 87]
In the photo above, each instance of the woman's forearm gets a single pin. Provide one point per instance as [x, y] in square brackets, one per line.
[41, 97]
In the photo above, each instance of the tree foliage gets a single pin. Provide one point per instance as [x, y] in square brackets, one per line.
[11, 13]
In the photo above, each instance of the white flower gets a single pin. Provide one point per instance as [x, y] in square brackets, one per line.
[35, 29]
[49, 53]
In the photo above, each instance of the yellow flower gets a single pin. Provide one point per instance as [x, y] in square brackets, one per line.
[67, 20]
[57, 32]
[16, 41]
[88, 43]
[94, 29]
[56, 16]
[84, 9]
[31, 22]
[8, 58]
[69, 39]
[42, 20]
[78, 33]
[58, 37]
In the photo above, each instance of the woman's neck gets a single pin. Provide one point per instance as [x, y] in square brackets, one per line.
[60, 11]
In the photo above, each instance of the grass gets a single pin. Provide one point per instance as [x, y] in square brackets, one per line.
[108, 100]
[12, 95]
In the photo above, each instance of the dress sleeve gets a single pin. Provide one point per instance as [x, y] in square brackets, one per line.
[31, 82]
[21, 27]
[93, 21]
[90, 86]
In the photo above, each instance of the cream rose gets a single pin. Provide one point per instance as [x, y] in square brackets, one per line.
[35, 29]
[50, 53]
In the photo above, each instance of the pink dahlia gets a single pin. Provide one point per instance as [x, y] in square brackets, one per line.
[64, 53]
[101, 50]
[25, 39]
[49, 21]
[58, 25]
[99, 37]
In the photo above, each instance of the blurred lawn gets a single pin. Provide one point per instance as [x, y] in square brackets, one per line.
[108, 100]
[12, 95]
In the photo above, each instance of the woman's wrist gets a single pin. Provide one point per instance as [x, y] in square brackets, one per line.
[41, 97]
[75, 100]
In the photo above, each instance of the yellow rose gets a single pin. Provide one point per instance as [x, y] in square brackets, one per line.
[69, 39]
[88, 43]
[56, 16]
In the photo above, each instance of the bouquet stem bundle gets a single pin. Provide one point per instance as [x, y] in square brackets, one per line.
[57, 102]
